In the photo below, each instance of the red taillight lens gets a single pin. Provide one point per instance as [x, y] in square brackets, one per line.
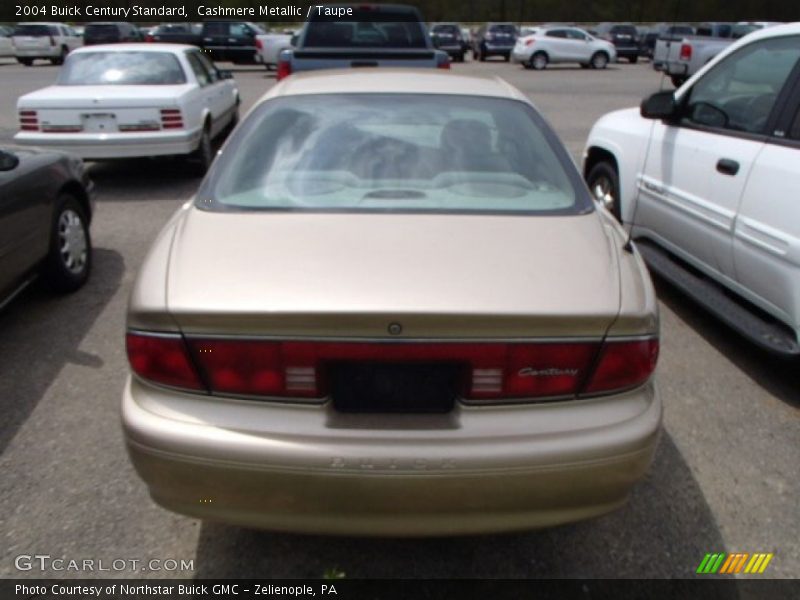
[624, 365]
[284, 69]
[28, 120]
[490, 371]
[259, 44]
[149, 38]
[686, 52]
[530, 42]
[162, 359]
[171, 118]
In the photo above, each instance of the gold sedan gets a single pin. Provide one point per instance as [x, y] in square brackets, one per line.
[392, 308]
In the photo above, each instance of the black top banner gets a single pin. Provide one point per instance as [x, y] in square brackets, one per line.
[465, 11]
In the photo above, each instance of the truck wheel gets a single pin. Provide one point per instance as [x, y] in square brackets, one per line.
[603, 183]
[61, 57]
[678, 80]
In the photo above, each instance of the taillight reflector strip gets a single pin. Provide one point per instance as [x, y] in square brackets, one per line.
[491, 371]
[171, 118]
[28, 120]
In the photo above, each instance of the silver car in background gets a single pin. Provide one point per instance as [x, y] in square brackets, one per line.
[556, 45]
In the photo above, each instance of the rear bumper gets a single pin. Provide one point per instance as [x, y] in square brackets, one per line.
[626, 51]
[520, 57]
[308, 469]
[100, 146]
[675, 68]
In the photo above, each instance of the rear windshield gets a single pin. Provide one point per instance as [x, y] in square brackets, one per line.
[179, 28]
[122, 68]
[360, 34]
[34, 30]
[451, 29]
[398, 152]
[101, 30]
[503, 29]
[624, 29]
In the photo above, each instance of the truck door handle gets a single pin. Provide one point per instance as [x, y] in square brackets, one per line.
[726, 166]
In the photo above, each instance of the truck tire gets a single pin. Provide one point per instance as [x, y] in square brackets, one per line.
[603, 183]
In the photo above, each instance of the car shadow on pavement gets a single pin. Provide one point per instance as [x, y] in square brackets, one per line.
[779, 376]
[665, 530]
[41, 331]
[135, 179]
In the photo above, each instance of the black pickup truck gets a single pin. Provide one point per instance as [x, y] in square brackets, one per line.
[373, 35]
[234, 41]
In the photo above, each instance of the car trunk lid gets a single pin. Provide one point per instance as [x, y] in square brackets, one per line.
[357, 275]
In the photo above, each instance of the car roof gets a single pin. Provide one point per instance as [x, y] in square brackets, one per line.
[393, 81]
[173, 48]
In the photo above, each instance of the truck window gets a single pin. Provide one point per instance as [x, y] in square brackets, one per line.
[738, 93]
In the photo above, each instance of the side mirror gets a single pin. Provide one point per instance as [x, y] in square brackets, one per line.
[8, 161]
[660, 105]
[225, 74]
[294, 40]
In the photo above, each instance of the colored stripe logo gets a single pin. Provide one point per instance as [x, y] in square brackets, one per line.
[732, 564]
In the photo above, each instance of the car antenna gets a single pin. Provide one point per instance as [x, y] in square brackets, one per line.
[628, 247]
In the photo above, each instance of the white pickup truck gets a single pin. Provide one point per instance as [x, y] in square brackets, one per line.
[680, 57]
[707, 180]
[270, 45]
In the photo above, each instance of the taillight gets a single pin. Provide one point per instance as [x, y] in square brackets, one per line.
[162, 359]
[490, 372]
[259, 44]
[444, 63]
[149, 38]
[623, 365]
[686, 52]
[171, 118]
[530, 42]
[28, 120]
[284, 69]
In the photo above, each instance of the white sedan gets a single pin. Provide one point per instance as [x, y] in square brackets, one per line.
[132, 100]
[562, 45]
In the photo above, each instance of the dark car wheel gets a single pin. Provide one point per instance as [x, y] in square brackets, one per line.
[69, 260]
[203, 156]
[599, 60]
[61, 57]
[603, 183]
[678, 80]
[538, 61]
[26, 61]
[633, 59]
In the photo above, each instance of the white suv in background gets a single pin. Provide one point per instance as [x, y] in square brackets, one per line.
[707, 179]
[49, 41]
[562, 45]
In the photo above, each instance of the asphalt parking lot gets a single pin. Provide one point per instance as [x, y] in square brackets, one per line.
[724, 478]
